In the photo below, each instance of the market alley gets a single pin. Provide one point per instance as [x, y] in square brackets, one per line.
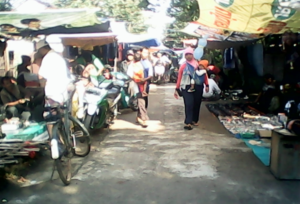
[164, 164]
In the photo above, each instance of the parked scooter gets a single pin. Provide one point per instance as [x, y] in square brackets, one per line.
[173, 74]
[101, 103]
[97, 112]
[128, 91]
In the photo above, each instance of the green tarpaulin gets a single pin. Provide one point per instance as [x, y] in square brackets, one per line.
[19, 22]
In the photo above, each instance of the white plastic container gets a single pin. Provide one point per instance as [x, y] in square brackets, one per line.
[54, 149]
[10, 128]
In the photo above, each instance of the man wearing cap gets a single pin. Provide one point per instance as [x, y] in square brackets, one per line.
[54, 69]
[124, 64]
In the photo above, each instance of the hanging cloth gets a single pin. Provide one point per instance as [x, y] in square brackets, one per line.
[229, 58]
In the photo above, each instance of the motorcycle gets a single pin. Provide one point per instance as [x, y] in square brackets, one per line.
[101, 103]
[173, 74]
[128, 93]
[166, 71]
[97, 112]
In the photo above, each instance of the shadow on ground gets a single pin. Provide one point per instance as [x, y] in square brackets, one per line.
[165, 164]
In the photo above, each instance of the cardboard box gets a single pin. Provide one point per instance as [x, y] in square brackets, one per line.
[264, 133]
[284, 157]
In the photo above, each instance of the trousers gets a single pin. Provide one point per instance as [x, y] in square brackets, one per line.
[192, 103]
[15, 112]
[146, 101]
[142, 111]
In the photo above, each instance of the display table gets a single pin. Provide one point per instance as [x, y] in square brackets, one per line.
[22, 142]
[34, 132]
[285, 155]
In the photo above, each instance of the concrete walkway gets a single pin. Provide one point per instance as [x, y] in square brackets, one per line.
[164, 164]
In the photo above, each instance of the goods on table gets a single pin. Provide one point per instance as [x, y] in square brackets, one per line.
[239, 119]
[244, 123]
[21, 139]
[33, 132]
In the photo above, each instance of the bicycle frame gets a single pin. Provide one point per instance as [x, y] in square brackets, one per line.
[64, 111]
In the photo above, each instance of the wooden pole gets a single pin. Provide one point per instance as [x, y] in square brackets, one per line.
[116, 47]
[6, 60]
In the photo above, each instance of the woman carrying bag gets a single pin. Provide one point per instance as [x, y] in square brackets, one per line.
[190, 71]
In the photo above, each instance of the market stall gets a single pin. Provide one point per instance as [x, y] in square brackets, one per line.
[250, 42]
[249, 125]
[21, 139]
[76, 27]
[17, 26]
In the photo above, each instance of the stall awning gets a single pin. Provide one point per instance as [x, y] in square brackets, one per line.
[220, 38]
[51, 21]
[256, 16]
[216, 34]
[80, 40]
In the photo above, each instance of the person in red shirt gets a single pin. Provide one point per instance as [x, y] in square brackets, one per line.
[192, 100]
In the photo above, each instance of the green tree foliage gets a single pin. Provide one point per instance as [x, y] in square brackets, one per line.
[129, 11]
[5, 5]
[183, 12]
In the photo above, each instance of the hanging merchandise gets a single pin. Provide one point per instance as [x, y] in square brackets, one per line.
[256, 58]
[289, 41]
[229, 58]
[199, 51]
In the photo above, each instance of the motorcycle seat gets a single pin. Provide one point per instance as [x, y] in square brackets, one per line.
[94, 90]
[108, 84]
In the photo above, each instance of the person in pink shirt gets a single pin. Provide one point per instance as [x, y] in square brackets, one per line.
[192, 100]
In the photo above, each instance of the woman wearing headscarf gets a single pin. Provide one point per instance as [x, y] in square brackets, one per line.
[191, 71]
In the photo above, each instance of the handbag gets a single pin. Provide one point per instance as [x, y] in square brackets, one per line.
[179, 92]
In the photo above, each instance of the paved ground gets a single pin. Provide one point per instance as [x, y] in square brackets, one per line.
[164, 164]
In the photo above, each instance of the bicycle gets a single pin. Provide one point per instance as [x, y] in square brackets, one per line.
[65, 137]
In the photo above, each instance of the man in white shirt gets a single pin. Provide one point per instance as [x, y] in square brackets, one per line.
[214, 89]
[55, 70]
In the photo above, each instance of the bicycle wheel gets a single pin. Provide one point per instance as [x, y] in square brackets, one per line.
[63, 163]
[80, 138]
